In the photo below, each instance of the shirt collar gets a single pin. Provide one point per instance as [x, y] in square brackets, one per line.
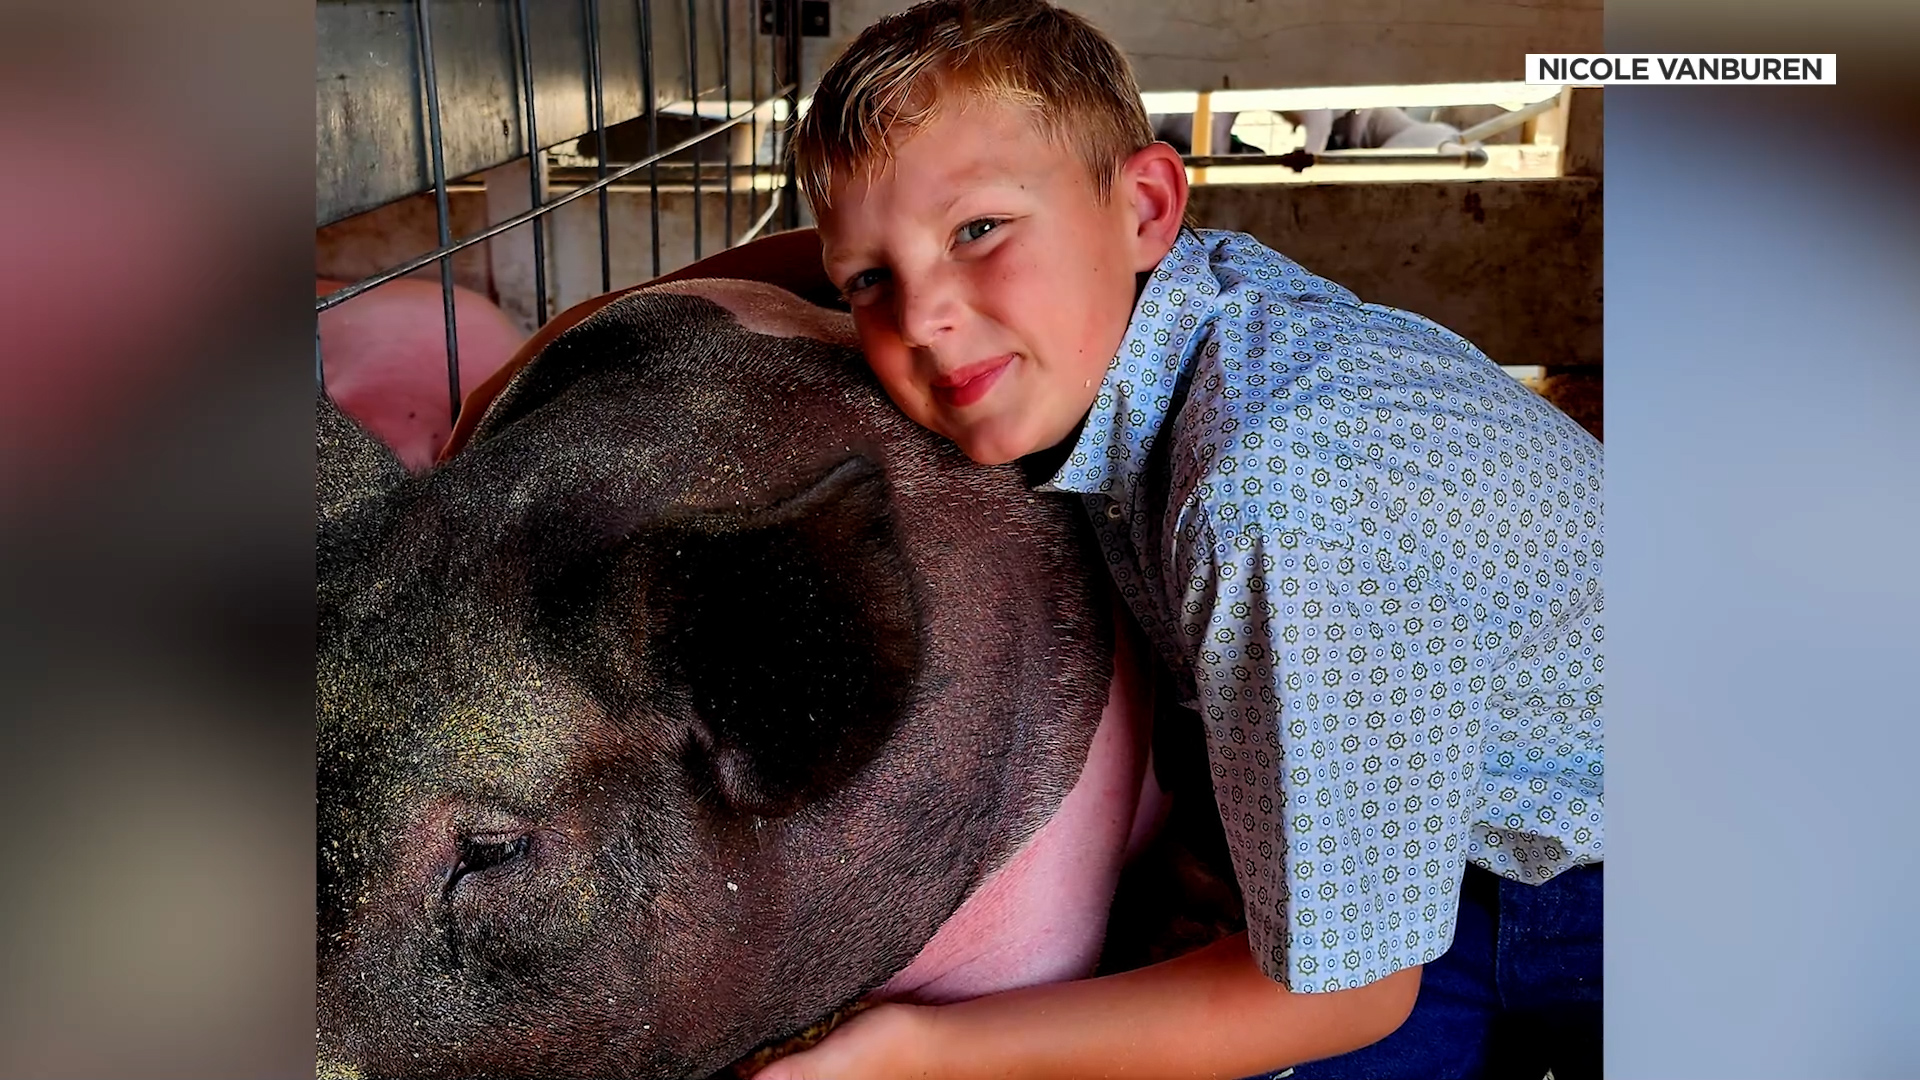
[1137, 393]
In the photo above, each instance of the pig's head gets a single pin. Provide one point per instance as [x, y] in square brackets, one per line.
[676, 711]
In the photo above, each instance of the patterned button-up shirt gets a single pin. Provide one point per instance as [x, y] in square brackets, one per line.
[1372, 561]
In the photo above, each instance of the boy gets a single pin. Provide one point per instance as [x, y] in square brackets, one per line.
[1370, 559]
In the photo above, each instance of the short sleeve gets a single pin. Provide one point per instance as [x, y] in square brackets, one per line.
[1542, 779]
[1339, 696]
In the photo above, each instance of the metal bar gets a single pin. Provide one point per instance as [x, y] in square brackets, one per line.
[693, 85]
[791, 216]
[319, 364]
[425, 38]
[726, 90]
[772, 205]
[653, 128]
[1489, 128]
[1342, 98]
[535, 194]
[600, 129]
[671, 172]
[753, 94]
[343, 295]
[1297, 160]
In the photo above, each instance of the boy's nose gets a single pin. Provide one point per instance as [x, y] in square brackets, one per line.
[926, 307]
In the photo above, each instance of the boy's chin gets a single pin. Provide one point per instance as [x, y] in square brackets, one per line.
[1038, 461]
[988, 450]
[1017, 439]
[987, 457]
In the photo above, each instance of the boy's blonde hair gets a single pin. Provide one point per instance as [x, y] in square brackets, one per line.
[901, 70]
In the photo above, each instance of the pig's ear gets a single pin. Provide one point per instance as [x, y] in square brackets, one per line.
[796, 634]
[350, 465]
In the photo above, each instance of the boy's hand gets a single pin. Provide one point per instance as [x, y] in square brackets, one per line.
[886, 1042]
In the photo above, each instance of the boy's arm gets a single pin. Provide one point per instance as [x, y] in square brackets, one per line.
[1210, 1013]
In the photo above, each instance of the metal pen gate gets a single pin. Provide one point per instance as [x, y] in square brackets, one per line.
[386, 129]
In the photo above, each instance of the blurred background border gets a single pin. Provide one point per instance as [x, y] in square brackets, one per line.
[155, 544]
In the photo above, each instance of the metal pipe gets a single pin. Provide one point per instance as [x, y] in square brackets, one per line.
[651, 104]
[341, 296]
[1297, 160]
[753, 94]
[535, 193]
[1487, 129]
[600, 129]
[693, 89]
[726, 91]
[424, 40]
[791, 216]
[772, 205]
[671, 172]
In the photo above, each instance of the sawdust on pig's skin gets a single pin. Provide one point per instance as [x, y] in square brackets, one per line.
[811, 1037]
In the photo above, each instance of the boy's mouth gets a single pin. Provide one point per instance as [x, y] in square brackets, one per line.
[958, 389]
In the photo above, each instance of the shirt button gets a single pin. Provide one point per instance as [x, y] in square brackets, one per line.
[1113, 510]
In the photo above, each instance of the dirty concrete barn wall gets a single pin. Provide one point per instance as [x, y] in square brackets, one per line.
[1267, 44]
[1513, 266]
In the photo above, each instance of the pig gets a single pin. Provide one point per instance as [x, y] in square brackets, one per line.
[1176, 130]
[699, 696]
[1368, 129]
[384, 359]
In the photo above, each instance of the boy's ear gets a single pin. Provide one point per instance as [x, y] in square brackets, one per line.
[1153, 186]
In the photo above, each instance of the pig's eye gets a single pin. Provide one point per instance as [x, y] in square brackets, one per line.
[482, 853]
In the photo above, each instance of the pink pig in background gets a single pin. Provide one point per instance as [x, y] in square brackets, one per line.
[384, 358]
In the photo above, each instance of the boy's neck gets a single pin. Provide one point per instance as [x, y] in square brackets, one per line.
[1040, 466]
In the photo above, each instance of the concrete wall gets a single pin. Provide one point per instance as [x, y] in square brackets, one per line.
[572, 236]
[1268, 44]
[574, 239]
[1513, 266]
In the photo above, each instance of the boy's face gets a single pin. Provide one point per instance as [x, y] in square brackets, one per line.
[990, 285]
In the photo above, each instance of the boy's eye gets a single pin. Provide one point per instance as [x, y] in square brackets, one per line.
[865, 279]
[975, 229]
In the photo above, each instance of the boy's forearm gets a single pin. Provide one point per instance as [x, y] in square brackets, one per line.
[1211, 1013]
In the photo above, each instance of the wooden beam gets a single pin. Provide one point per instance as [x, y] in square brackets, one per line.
[1582, 151]
[1201, 144]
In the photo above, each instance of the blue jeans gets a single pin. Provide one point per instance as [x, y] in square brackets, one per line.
[1517, 994]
